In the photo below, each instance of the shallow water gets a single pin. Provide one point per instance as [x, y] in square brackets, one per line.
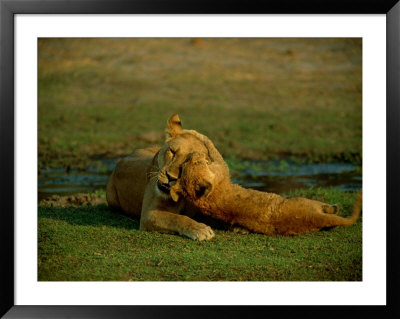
[269, 176]
[284, 178]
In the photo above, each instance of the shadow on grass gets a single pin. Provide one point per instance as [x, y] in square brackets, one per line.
[98, 215]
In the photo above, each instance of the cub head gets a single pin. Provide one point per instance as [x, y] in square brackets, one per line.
[197, 179]
[178, 144]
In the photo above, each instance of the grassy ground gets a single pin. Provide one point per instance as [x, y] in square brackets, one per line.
[255, 98]
[94, 243]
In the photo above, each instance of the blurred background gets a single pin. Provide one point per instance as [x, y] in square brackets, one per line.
[285, 113]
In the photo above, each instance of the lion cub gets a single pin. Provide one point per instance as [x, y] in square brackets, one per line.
[211, 191]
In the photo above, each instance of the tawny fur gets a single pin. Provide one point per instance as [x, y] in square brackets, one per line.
[210, 190]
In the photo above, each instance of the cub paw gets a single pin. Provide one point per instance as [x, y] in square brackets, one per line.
[199, 232]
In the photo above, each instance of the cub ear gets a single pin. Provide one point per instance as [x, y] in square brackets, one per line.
[174, 125]
[174, 195]
[204, 188]
[176, 192]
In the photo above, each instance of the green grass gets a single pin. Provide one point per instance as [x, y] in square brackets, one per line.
[94, 243]
[255, 98]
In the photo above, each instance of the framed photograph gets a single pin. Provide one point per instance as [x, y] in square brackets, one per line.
[291, 94]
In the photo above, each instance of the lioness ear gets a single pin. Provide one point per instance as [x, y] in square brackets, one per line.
[174, 125]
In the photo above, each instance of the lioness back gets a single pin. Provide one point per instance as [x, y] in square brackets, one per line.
[126, 185]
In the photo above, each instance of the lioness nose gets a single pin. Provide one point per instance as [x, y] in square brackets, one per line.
[171, 178]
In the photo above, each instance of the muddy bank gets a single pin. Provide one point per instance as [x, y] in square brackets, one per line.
[80, 199]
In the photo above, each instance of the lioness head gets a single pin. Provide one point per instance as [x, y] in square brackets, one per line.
[178, 144]
[197, 179]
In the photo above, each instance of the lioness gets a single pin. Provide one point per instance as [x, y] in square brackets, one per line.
[140, 185]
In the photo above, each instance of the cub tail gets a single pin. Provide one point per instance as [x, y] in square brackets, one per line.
[342, 221]
[356, 209]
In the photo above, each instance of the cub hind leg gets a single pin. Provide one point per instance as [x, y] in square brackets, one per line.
[323, 207]
[330, 209]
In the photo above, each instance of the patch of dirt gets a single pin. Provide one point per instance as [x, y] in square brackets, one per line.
[80, 199]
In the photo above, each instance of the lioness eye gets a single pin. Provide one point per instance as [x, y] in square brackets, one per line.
[172, 152]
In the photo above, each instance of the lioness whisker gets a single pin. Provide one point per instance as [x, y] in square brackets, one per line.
[152, 174]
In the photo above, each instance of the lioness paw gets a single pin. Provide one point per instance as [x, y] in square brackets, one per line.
[199, 232]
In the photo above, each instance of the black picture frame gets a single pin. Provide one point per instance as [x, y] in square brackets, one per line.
[9, 8]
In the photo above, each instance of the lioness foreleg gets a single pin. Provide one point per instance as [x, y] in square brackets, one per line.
[166, 222]
[162, 215]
